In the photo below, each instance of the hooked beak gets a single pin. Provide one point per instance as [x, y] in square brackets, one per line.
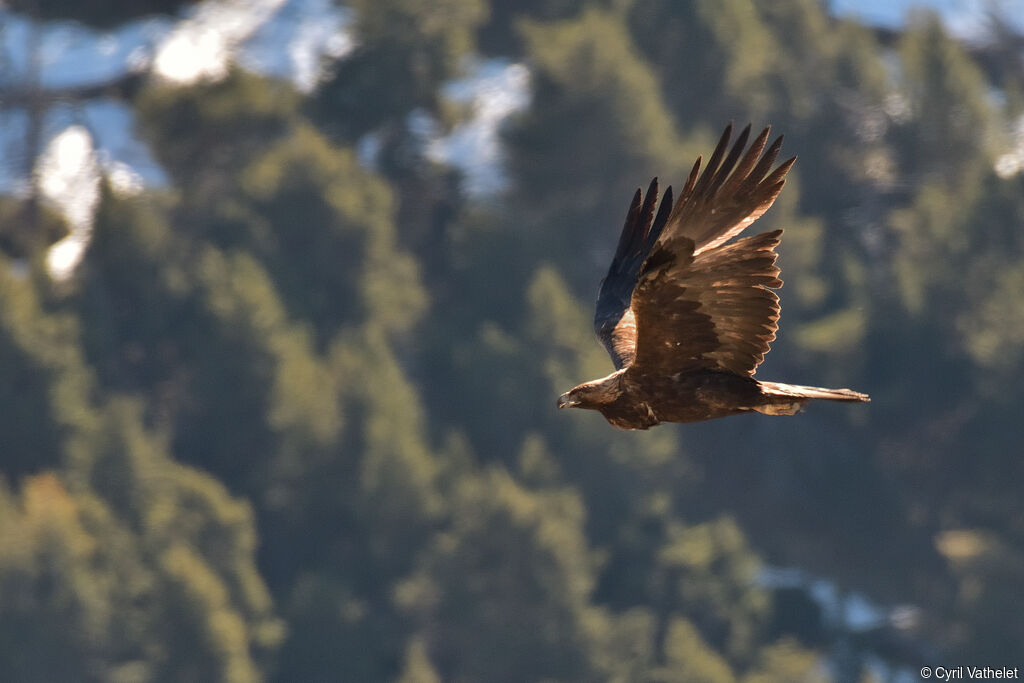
[564, 401]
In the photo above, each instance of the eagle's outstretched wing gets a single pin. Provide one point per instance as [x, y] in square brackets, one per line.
[613, 319]
[710, 310]
[694, 300]
[728, 196]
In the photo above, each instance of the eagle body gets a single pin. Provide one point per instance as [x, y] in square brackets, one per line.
[638, 401]
[643, 401]
[687, 310]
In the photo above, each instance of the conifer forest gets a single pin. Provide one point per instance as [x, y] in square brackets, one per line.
[277, 403]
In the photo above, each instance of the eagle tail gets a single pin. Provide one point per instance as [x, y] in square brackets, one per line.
[795, 391]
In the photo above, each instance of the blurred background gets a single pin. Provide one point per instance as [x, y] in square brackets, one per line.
[288, 289]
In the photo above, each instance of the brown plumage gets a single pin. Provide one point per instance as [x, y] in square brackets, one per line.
[685, 314]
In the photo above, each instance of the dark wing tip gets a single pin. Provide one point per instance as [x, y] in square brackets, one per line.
[779, 174]
[711, 170]
[730, 162]
[775, 147]
[660, 220]
[629, 228]
[756, 177]
[652, 191]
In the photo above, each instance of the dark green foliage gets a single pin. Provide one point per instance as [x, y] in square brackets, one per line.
[530, 618]
[138, 569]
[406, 50]
[500, 35]
[945, 96]
[204, 135]
[597, 123]
[293, 418]
[692, 48]
[101, 14]
[27, 229]
[46, 386]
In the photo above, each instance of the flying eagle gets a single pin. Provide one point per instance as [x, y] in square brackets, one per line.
[685, 314]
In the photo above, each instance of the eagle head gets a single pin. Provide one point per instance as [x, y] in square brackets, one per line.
[591, 395]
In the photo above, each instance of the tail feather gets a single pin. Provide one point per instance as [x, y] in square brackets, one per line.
[797, 391]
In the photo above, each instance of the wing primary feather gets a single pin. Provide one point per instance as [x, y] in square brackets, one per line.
[689, 191]
[691, 181]
[628, 230]
[716, 158]
[779, 174]
[659, 221]
[749, 160]
[730, 162]
[770, 193]
[612, 318]
[763, 166]
[647, 213]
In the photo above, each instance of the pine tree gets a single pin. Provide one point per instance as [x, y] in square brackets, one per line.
[102, 15]
[45, 385]
[525, 614]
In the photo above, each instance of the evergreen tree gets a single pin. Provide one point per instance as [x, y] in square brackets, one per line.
[713, 59]
[45, 386]
[526, 614]
[945, 99]
[102, 15]
[135, 569]
[597, 121]
[406, 51]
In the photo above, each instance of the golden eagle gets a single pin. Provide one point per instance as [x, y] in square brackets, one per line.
[686, 315]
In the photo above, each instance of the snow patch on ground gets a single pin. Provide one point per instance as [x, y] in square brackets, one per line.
[69, 177]
[494, 90]
[1011, 163]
